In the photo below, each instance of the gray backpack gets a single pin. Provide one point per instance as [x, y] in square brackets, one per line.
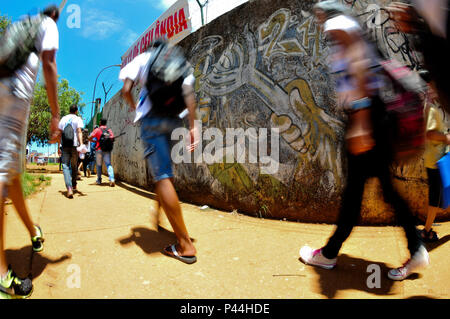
[17, 43]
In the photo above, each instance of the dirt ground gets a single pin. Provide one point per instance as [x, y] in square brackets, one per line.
[105, 243]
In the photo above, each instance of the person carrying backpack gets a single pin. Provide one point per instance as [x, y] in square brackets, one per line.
[71, 127]
[104, 138]
[21, 49]
[369, 151]
[167, 89]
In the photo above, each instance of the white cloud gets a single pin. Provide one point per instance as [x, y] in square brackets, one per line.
[100, 25]
[128, 38]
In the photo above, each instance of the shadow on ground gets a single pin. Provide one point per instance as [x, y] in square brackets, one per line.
[440, 242]
[353, 273]
[149, 240]
[137, 191]
[75, 193]
[25, 262]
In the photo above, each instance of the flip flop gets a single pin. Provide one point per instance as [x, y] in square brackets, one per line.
[171, 251]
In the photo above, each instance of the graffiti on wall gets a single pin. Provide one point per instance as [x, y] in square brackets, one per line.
[254, 66]
[127, 156]
[272, 73]
[393, 43]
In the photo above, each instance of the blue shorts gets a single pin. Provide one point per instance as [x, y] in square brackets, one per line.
[156, 138]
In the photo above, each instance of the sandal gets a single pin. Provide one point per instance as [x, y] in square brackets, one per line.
[429, 236]
[171, 251]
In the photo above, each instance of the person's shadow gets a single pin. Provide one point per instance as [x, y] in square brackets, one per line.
[150, 241]
[440, 242]
[76, 192]
[27, 263]
[353, 273]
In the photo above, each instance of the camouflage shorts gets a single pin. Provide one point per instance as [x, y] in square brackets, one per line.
[13, 125]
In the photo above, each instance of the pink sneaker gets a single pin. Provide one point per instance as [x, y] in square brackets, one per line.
[420, 259]
[315, 258]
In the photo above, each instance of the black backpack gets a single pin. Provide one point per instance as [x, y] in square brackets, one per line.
[106, 141]
[68, 135]
[17, 43]
[167, 70]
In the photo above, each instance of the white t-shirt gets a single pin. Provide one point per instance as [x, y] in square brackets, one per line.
[76, 123]
[47, 40]
[137, 71]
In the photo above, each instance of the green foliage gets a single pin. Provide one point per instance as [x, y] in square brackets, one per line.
[4, 22]
[40, 115]
[31, 183]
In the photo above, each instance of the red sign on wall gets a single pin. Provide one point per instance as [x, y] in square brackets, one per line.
[174, 24]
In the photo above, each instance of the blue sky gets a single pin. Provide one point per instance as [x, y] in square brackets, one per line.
[108, 28]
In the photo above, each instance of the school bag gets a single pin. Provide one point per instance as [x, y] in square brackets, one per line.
[106, 141]
[167, 69]
[404, 107]
[68, 135]
[17, 43]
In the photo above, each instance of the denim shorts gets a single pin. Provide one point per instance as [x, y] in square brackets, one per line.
[156, 138]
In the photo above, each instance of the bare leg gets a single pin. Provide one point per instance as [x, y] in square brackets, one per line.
[169, 202]
[431, 216]
[16, 195]
[3, 262]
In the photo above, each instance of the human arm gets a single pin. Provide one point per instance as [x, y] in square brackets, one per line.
[438, 137]
[51, 80]
[93, 136]
[80, 136]
[191, 104]
[126, 93]
[359, 131]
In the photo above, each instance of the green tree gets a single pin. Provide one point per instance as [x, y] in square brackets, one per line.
[38, 127]
[4, 22]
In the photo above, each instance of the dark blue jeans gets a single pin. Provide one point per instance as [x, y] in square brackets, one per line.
[70, 166]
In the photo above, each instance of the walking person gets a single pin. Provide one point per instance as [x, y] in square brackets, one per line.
[437, 141]
[368, 150]
[429, 21]
[92, 155]
[16, 93]
[104, 138]
[87, 157]
[71, 127]
[158, 119]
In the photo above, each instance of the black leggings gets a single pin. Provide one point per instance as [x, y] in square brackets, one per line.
[371, 164]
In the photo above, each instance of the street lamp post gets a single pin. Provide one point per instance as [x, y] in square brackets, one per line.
[201, 9]
[95, 85]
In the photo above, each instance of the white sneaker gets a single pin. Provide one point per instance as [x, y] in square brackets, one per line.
[419, 260]
[315, 258]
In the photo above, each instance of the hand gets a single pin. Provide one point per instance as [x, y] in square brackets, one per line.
[194, 139]
[404, 17]
[447, 139]
[54, 130]
[59, 151]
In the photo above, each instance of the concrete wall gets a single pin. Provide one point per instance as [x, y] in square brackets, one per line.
[263, 65]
